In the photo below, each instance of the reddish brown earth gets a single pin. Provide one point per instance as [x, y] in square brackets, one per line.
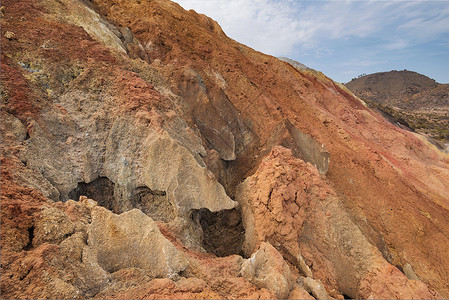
[138, 105]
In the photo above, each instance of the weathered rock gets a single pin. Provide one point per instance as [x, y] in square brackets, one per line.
[80, 14]
[299, 293]
[13, 128]
[128, 158]
[274, 201]
[187, 184]
[300, 211]
[408, 271]
[315, 288]
[138, 128]
[132, 240]
[164, 288]
[387, 282]
[206, 115]
[302, 145]
[127, 34]
[267, 268]
[52, 226]
[14, 135]
[9, 35]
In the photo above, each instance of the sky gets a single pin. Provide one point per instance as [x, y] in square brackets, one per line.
[342, 39]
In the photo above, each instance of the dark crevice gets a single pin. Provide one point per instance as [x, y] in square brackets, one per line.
[400, 269]
[26, 274]
[346, 296]
[66, 236]
[223, 232]
[290, 258]
[100, 190]
[29, 246]
[153, 203]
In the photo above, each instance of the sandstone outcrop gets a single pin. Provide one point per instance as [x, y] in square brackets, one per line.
[146, 155]
[132, 240]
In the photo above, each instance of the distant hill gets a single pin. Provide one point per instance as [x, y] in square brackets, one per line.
[405, 89]
[415, 99]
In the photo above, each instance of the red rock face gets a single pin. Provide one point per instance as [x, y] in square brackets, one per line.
[178, 120]
[288, 203]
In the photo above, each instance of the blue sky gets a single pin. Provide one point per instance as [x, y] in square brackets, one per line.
[343, 39]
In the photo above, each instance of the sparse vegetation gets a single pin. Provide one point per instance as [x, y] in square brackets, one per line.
[361, 75]
[431, 124]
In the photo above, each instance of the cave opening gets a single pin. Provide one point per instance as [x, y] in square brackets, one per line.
[223, 231]
[29, 245]
[117, 199]
[100, 190]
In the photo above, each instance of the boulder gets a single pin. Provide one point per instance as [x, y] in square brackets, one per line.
[132, 240]
[266, 268]
[53, 226]
[315, 288]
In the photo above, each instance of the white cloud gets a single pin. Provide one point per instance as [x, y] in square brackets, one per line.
[266, 25]
[396, 45]
[280, 27]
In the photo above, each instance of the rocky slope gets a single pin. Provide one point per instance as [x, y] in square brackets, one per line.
[146, 155]
[412, 99]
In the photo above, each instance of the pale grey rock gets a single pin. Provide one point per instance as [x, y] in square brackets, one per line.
[79, 14]
[135, 152]
[295, 64]
[127, 34]
[303, 145]
[140, 156]
[219, 122]
[409, 272]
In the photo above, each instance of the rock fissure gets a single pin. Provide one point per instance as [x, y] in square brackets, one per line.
[223, 231]
[29, 245]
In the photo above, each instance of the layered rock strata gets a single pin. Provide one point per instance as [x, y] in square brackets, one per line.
[145, 155]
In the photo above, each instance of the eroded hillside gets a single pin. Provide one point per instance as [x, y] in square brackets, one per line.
[147, 155]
